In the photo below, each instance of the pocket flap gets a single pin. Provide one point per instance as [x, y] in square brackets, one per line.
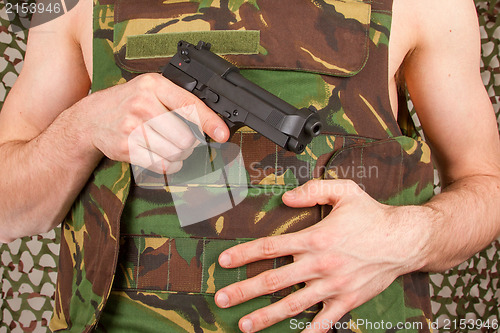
[329, 36]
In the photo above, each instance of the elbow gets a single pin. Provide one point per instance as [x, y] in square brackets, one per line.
[5, 238]
[11, 230]
[7, 233]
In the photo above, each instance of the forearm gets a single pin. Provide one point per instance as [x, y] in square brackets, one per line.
[42, 177]
[462, 220]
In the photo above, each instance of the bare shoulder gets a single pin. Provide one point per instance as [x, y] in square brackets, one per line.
[55, 75]
[76, 25]
[428, 25]
[441, 44]
[430, 36]
[83, 31]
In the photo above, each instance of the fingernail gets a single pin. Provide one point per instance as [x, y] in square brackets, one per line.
[225, 260]
[219, 134]
[290, 194]
[222, 300]
[246, 325]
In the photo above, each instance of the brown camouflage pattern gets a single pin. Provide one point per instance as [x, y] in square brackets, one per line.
[170, 273]
[343, 51]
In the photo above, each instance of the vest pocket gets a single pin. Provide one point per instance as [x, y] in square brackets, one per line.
[267, 34]
[395, 171]
[189, 265]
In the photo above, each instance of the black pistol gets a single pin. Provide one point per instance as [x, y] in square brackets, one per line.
[240, 102]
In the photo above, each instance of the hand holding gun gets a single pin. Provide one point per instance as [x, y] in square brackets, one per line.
[240, 102]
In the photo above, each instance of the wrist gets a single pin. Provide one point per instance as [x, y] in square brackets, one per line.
[79, 128]
[416, 233]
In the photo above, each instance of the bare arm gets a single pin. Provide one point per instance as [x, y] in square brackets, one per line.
[442, 73]
[52, 135]
[43, 156]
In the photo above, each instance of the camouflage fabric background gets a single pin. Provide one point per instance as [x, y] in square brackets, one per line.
[28, 266]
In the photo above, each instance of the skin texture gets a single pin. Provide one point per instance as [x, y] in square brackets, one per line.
[63, 133]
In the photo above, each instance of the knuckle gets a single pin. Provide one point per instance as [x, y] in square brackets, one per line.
[271, 281]
[204, 123]
[318, 242]
[269, 246]
[351, 186]
[239, 293]
[184, 102]
[313, 187]
[128, 124]
[136, 104]
[186, 142]
[146, 81]
[186, 153]
[189, 111]
[241, 255]
[264, 319]
[293, 306]
[318, 269]
[172, 154]
[173, 167]
[322, 266]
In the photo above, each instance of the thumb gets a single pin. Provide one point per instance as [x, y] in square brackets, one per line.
[201, 116]
[192, 109]
[321, 192]
[212, 124]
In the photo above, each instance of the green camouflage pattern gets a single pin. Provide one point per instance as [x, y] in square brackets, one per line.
[91, 225]
[171, 272]
[342, 51]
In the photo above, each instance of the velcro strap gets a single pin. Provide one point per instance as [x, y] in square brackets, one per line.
[151, 263]
[164, 45]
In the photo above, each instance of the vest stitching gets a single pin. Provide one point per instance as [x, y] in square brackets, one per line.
[168, 267]
[139, 259]
[202, 266]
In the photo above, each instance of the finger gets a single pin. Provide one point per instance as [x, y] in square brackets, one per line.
[176, 98]
[164, 146]
[321, 192]
[262, 248]
[287, 307]
[265, 283]
[150, 160]
[325, 320]
[173, 129]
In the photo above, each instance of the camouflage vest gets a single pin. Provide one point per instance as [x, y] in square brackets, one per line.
[122, 244]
